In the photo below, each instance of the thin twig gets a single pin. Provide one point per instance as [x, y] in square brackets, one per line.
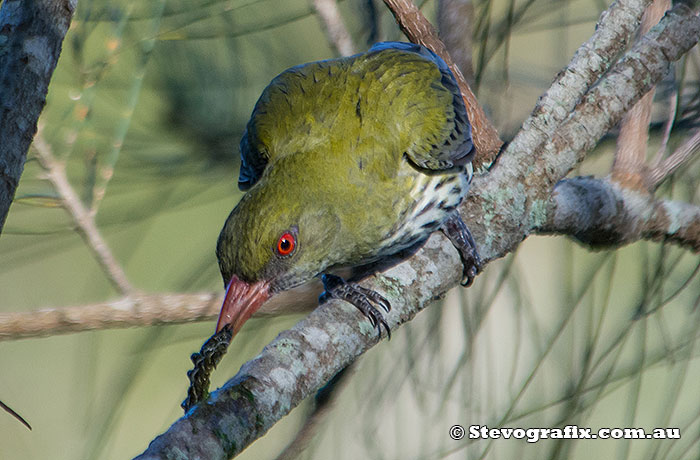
[10, 411]
[630, 157]
[667, 167]
[668, 126]
[106, 171]
[139, 310]
[455, 20]
[84, 219]
[336, 32]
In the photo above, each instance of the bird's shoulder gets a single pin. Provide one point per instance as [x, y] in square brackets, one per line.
[398, 100]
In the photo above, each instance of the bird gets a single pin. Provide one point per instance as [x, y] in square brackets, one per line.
[346, 162]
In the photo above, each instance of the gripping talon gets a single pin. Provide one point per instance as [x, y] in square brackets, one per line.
[458, 233]
[375, 297]
[361, 297]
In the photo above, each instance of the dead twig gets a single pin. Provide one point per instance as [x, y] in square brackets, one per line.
[84, 219]
[629, 167]
[332, 22]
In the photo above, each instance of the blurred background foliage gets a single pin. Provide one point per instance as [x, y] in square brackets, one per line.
[147, 106]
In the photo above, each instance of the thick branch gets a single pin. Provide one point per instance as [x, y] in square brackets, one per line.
[602, 213]
[303, 358]
[613, 32]
[31, 35]
[536, 168]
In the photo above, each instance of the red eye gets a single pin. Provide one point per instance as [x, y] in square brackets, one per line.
[286, 244]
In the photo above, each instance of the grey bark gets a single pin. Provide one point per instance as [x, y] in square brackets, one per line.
[31, 36]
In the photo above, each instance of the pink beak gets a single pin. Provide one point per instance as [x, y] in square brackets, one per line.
[241, 301]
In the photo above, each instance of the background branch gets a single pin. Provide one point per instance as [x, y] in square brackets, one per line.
[31, 36]
[455, 24]
[332, 21]
[630, 158]
[138, 310]
[679, 157]
[84, 219]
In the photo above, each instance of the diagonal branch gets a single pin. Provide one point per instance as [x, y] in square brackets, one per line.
[629, 167]
[84, 219]
[668, 166]
[613, 32]
[535, 168]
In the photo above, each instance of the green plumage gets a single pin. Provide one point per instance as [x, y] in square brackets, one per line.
[357, 157]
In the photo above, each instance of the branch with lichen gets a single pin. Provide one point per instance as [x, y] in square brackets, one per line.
[601, 213]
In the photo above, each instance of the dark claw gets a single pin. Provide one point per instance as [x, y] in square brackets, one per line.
[457, 231]
[375, 297]
[361, 297]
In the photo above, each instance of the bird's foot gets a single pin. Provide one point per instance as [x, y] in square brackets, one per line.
[457, 231]
[362, 298]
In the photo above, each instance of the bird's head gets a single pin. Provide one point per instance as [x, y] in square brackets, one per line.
[273, 240]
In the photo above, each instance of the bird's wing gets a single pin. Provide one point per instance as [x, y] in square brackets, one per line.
[449, 141]
[253, 162]
[391, 96]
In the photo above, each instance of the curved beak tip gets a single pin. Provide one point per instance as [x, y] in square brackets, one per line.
[242, 300]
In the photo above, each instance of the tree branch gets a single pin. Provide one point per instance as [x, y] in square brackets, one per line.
[612, 34]
[139, 310]
[629, 167]
[668, 166]
[31, 35]
[523, 178]
[84, 219]
[455, 23]
[602, 213]
[333, 26]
